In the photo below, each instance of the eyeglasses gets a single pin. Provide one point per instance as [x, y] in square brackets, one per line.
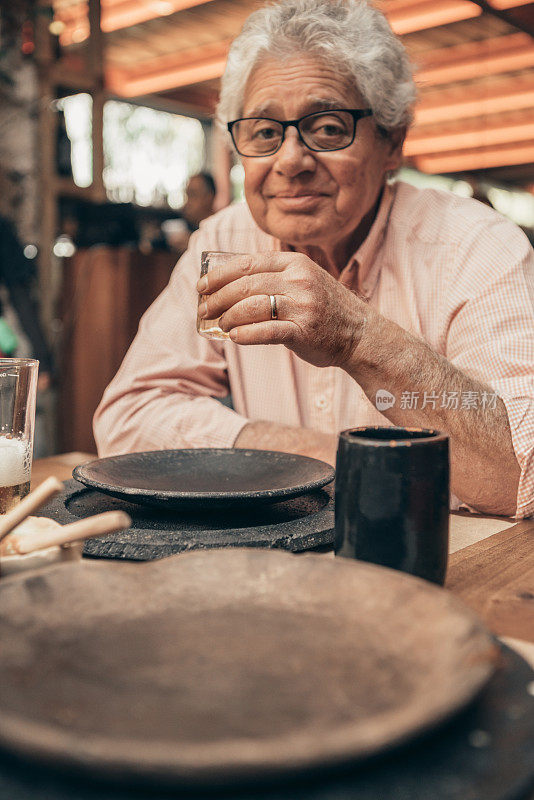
[322, 131]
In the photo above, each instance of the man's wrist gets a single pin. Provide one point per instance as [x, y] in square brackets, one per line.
[359, 353]
[263, 435]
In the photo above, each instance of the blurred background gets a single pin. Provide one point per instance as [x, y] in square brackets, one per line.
[109, 159]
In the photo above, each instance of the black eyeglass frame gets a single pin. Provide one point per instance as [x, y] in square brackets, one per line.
[356, 114]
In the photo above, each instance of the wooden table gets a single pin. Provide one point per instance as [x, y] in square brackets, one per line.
[491, 564]
[60, 466]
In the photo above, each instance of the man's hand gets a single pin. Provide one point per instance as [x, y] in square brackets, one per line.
[318, 318]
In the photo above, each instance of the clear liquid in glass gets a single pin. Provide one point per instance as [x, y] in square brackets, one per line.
[210, 327]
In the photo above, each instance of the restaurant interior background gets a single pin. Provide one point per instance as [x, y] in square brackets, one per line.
[106, 109]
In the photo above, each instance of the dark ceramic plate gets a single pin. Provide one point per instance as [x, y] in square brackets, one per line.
[206, 477]
[232, 664]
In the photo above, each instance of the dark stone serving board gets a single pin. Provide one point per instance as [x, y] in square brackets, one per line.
[485, 753]
[301, 523]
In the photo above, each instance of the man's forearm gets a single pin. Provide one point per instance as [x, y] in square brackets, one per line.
[303, 441]
[484, 469]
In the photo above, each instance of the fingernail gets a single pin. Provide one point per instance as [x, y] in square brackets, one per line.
[202, 285]
[203, 310]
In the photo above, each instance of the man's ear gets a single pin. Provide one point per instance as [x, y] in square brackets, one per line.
[396, 142]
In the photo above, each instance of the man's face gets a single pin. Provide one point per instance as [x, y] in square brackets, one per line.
[199, 200]
[303, 197]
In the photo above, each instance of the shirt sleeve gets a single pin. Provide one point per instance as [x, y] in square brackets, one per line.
[163, 396]
[491, 336]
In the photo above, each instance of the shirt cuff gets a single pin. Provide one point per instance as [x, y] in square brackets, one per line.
[520, 412]
[215, 428]
[525, 491]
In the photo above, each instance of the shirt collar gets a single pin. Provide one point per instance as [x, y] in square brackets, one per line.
[363, 268]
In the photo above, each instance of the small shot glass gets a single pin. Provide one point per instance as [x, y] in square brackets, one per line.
[209, 259]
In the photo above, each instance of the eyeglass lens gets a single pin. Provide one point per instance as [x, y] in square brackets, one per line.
[331, 130]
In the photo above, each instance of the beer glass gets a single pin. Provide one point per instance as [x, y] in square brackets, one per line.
[18, 386]
[208, 260]
[392, 499]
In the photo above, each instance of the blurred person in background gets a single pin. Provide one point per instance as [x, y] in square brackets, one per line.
[199, 199]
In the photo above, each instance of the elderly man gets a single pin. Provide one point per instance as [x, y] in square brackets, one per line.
[359, 301]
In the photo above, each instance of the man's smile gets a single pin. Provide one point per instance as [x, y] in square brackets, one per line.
[296, 200]
[298, 193]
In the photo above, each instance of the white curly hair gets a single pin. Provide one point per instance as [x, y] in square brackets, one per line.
[351, 36]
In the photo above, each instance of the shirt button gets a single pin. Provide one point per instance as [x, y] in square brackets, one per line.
[321, 403]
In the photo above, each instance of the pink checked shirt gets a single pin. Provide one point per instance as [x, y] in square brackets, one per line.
[447, 269]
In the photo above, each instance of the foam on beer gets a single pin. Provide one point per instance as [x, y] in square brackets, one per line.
[15, 461]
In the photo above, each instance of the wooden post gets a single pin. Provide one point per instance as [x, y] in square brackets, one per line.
[95, 58]
[51, 73]
[47, 160]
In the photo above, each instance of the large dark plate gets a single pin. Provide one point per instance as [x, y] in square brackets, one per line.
[220, 665]
[205, 477]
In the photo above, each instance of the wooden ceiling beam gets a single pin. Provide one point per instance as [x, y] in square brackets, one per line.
[133, 12]
[500, 12]
[483, 134]
[476, 59]
[428, 14]
[473, 160]
[124, 85]
[165, 73]
[160, 65]
[445, 56]
[117, 15]
[476, 101]
[504, 5]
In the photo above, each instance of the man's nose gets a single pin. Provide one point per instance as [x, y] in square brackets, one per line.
[294, 157]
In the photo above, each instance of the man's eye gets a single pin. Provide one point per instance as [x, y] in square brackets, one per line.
[329, 130]
[265, 133]
[329, 126]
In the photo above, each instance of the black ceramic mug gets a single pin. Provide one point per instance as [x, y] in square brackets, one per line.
[392, 499]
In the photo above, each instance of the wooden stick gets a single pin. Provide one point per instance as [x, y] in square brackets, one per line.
[31, 525]
[44, 492]
[98, 525]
